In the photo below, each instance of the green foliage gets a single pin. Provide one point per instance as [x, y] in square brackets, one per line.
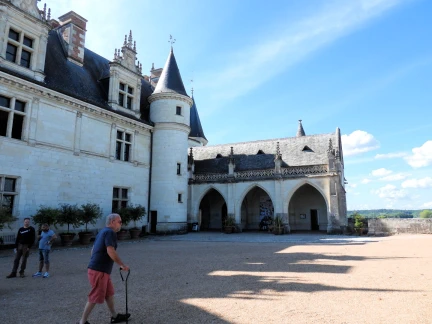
[358, 220]
[47, 215]
[426, 213]
[131, 213]
[125, 215]
[387, 213]
[278, 222]
[136, 212]
[6, 217]
[69, 215]
[89, 214]
[229, 221]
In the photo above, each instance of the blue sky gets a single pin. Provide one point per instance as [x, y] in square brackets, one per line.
[258, 67]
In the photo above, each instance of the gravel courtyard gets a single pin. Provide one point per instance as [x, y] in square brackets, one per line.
[237, 278]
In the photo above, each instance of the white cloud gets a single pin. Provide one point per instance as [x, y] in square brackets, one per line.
[421, 157]
[394, 177]
[381, 172]
[284, 46]
[427, 205]
[366, 181]
[358, 142]
[390, 192]
[390, 155]
[418, 183]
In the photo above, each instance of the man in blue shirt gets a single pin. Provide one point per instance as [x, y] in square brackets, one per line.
[102, 259]
[46, 238]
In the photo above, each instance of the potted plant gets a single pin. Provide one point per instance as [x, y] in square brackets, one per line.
[125, 215]
[229, 224]
[45, 215]
[136, 213]
[68, 215]
[278, 226]
[89, 214]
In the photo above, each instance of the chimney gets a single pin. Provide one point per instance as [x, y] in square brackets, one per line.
[73, 29]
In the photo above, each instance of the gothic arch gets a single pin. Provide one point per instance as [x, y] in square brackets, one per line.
[248, 189]
[307, 207]
[211, 209]
[204, 193]
[250, 208]
[305, 182]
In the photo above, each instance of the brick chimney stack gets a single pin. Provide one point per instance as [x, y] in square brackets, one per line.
[73, 29]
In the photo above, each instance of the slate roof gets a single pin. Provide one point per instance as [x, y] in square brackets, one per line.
[170, 79]
[195, 123]
[296, 151]
[89, 83]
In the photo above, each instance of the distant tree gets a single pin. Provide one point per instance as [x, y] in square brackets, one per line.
[426, 213]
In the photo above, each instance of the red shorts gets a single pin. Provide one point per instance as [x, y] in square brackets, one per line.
[102, 286]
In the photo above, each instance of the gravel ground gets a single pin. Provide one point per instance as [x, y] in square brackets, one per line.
[237, 278]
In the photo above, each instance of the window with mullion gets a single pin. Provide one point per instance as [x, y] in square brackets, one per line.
[123, 146]
[16, 41]
[120, 198]
[16, 114]
[7, 192]
[126, 96]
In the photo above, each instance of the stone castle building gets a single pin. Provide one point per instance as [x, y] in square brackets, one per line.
[76, 127]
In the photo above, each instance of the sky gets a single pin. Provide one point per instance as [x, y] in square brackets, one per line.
[257, 67]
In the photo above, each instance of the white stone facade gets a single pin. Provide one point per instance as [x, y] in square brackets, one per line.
[78, 144]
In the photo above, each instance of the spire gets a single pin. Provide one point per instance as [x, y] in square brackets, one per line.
[195, 123]
[170, 79]
[300, 130]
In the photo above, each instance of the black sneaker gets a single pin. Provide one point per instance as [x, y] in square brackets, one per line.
[120, 318]
[22, 275]
[12, 275]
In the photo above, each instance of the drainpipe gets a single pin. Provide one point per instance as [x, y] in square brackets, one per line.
[150, 177]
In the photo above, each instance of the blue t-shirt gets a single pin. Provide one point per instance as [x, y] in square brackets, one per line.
[45, 237]
[100, 260]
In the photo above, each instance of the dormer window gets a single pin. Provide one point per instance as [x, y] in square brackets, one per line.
[126, 96]
[19, 48]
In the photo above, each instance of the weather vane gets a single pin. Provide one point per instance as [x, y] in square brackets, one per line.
[192, 86]
[171, 40]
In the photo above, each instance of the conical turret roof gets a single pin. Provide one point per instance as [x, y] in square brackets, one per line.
[170, 80]
[300, 130]
[195, 123]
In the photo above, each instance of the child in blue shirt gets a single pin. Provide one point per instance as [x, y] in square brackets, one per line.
[46, 238]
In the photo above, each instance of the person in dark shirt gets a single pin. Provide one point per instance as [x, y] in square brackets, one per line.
[24, 241]
[102, 259]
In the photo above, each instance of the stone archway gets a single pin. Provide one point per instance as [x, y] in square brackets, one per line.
[213, 210]
[256, 206]
[307, 210]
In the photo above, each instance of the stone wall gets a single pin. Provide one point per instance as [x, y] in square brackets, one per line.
[386, 226]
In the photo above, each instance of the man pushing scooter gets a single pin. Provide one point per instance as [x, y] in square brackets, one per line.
[102, 259]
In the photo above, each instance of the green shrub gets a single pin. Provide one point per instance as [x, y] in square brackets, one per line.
[46, 215]
[89, 214]
[6, 217]
[69, 215]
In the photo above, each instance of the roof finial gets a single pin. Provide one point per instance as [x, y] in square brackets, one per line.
[125, 41]
[192, 90]
[300, 130]
[172, 41]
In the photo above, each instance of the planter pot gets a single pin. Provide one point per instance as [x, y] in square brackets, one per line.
[85, 237]
[67, 238]
[278, 230]
[134, 233]
[122, 235]
[228, 229]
